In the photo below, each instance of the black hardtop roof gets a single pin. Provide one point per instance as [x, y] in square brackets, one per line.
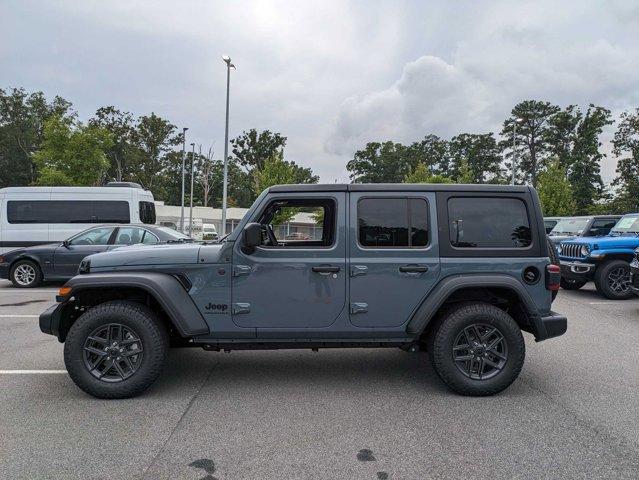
[398, 187]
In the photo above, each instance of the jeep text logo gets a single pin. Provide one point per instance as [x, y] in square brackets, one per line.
[216, 307]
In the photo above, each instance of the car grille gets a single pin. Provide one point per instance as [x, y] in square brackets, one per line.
[571, 250]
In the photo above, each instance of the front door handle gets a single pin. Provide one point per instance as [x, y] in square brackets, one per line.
[413, 269]
[325, 269]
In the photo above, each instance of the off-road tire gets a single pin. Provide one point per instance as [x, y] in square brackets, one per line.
[31, 266]
[601, 280]
[451, 324]
[153, 336]
[571, 284]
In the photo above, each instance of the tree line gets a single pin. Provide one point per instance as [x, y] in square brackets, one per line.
[557, 150]
[42, 142]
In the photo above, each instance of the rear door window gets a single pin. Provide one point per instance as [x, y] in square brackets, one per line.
[488, 222]
[392, 222]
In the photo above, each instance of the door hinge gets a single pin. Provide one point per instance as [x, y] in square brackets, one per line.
[241, 308]
[357, 307]
[241, 270]
[357, 270]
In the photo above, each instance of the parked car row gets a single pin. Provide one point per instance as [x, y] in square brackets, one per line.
[599, 248]
[29, 266]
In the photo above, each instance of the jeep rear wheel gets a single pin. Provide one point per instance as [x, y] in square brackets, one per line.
[612, 280]
[568, 284]
[116, 349]
[477, 349]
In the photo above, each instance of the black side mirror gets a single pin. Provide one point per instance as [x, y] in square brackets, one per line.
[252, 236]
[65, 243]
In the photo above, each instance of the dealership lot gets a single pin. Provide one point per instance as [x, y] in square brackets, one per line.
[362, 414]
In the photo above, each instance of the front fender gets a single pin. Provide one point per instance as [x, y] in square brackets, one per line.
[164, 288]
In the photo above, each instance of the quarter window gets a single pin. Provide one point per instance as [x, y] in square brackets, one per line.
[392, 222]
[488, 222]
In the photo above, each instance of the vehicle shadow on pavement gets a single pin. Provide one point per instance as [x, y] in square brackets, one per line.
[302, 368]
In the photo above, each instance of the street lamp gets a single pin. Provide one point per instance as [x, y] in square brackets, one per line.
[191, 207]
[517, 121]
[183, 161]
[229, 65]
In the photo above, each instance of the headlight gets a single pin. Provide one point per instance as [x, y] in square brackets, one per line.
[585, 251]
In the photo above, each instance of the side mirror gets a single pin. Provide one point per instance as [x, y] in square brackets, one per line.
[65, 243]
[252, 235]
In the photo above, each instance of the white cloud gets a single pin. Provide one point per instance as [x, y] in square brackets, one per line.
[329, 75]
[511, 53]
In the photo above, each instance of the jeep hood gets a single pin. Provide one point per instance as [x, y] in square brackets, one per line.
[166, 254]
[604, 243]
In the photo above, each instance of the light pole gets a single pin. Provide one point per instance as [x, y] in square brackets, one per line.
[229, 65]
[191, 206]
[183, 161]
[516, 121]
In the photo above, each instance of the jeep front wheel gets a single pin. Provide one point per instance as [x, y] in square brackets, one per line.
[477, 349]
[612, 280]
[116, 349]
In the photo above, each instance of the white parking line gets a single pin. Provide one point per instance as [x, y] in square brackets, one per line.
[32, 372]
[19, 316]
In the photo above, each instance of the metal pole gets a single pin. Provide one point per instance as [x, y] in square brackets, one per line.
[191, 207]
[514, 150]
[183, 161]
[226, 146]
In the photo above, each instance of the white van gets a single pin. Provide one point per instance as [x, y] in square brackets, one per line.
[209, 232]
[37, 215]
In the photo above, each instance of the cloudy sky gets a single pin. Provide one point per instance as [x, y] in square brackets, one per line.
[329, 75]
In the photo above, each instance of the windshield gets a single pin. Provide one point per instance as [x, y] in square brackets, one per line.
[173, 233]
[570, 226]
[627, 224]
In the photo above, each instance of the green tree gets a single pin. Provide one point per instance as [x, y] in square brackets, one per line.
[72, 153]
[626, 147]
[22, 119]
[386, 162]
[531, 118]
[422, 174]
[154, 138]
[252, 148]
[120, 125]
[584, 169]
[432, 151]
[480, 153]
[277, 171]
[555, 191]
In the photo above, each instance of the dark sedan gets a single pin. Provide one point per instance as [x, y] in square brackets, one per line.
[30, 266]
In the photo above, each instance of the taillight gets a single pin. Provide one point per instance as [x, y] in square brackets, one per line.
[553, 277]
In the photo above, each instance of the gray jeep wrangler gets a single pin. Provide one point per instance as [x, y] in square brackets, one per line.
[457, 270]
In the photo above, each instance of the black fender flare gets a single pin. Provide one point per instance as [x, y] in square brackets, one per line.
[449, 285]
[163, 287]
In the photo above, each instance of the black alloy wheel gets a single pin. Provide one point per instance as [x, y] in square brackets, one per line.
[480, 351]
[113, 352]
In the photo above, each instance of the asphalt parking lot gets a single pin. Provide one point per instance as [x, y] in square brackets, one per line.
[352, 414]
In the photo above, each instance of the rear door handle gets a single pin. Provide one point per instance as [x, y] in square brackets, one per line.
[413, 269]
[326, 269]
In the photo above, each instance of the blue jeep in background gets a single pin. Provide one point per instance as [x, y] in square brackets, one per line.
[606, 260]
